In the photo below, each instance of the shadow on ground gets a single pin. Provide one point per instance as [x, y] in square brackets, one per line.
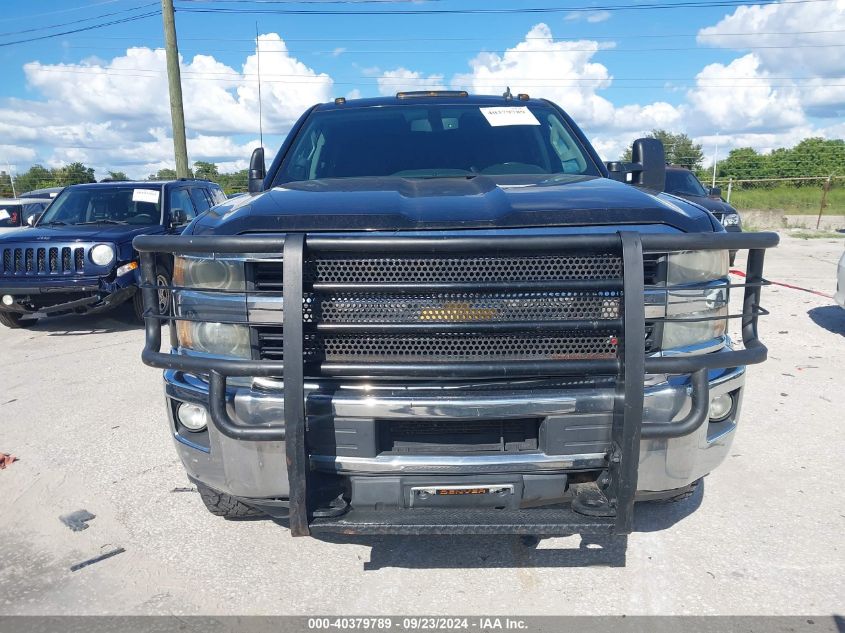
[475, 551]
[831, 318]
[120, 319]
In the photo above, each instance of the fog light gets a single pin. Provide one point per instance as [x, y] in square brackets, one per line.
[8, 300]
[192, 417]
[721, 407]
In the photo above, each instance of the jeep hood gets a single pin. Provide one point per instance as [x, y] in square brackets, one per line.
[372, 204]
[111, 233]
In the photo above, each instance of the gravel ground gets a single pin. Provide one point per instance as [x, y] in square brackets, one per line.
[86, 419]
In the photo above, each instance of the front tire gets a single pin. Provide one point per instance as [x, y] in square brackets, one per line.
[163, 281]
[226, 506]
[15, 321]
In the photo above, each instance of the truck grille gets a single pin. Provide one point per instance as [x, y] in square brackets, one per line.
[350, 313]
[37, 260]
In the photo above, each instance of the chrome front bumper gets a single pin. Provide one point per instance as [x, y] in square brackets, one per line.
[258, 469]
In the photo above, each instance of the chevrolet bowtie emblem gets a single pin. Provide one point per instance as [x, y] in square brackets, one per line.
[458, 312]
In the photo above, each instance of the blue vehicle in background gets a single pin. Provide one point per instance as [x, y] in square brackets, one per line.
[78, 256]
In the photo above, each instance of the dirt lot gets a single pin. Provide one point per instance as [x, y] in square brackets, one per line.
[86, 419]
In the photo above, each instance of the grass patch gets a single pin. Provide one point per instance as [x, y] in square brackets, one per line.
[793, 200]
[815, 235]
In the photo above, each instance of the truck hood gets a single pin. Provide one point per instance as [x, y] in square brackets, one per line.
[372, 204]
[711, 204]
[112, 233]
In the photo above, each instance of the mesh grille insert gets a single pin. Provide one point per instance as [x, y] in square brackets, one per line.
[468, 307]
[468, 269]
[470, 347]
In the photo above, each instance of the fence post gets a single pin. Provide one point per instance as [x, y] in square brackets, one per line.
[825, 189]
[730, 185]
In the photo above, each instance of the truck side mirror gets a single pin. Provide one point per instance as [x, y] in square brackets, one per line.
[649, 164]
[33, 219]
[257, 171]
[714, 192]
[178, 217]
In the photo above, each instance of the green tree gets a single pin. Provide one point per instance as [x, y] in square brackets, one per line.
[164, 174]
[118, 175]
[36, 177]
[5, 185]
[680, 149]
[73, 174]
[236, 182]
[206, 170]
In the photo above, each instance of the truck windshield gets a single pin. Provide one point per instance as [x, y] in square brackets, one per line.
[436, 141]
[109, 205]
[684, 183]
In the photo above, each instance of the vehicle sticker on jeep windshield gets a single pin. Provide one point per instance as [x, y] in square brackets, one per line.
[520, 115]
[145, 195]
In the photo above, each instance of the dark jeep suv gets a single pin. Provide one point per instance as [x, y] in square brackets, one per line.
[78, 258]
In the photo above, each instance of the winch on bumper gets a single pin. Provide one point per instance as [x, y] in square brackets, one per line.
[590, 429]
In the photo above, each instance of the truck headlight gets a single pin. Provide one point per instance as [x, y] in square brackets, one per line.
[220, 339]
[692, 267]
[209, 274]
[688, 333]
[731, 219]
[102, 254]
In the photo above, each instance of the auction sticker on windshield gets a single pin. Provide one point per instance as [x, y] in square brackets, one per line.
[498, 117]
[145, 195]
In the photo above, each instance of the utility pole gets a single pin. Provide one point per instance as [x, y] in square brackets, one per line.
[12, 181]
[258, 56]
[825, 189]
[715, 160]
[174, 79]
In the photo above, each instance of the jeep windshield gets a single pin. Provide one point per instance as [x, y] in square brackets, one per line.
[435, 141]
[108, 205]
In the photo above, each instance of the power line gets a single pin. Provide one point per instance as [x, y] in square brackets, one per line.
[488, 11]
[57, 11]
[64, 24]
[558, 39]
[85, 28]
[496, 51]
[422, 82]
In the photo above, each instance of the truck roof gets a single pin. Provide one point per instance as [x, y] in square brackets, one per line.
[441, 97]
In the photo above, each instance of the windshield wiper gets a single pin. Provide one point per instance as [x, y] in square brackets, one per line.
[52, 223]
[102, 221]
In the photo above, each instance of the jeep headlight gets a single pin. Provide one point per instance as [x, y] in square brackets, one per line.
[219, 339]
[693, 267]
[208, 274]
[102, 255]
[731, 219]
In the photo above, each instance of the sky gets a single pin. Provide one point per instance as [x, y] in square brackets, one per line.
[727, 74]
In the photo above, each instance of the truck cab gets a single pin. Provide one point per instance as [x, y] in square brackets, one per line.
[438, 313]
[78, 258]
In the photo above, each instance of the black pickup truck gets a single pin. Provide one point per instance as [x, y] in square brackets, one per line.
[442, 313]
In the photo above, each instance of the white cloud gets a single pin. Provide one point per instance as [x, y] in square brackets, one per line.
[560, 70]
[800, 43]
[114, 112]
[392, 81]
[592, 17]
[752, 103]
[11, 154]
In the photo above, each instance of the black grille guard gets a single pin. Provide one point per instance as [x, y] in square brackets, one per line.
[630, 366]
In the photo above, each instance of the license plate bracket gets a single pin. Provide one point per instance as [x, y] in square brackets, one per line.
[465, 495]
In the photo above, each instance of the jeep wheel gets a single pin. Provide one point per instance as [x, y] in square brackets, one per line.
[226, 506]
[163, 281]
[15, 321]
